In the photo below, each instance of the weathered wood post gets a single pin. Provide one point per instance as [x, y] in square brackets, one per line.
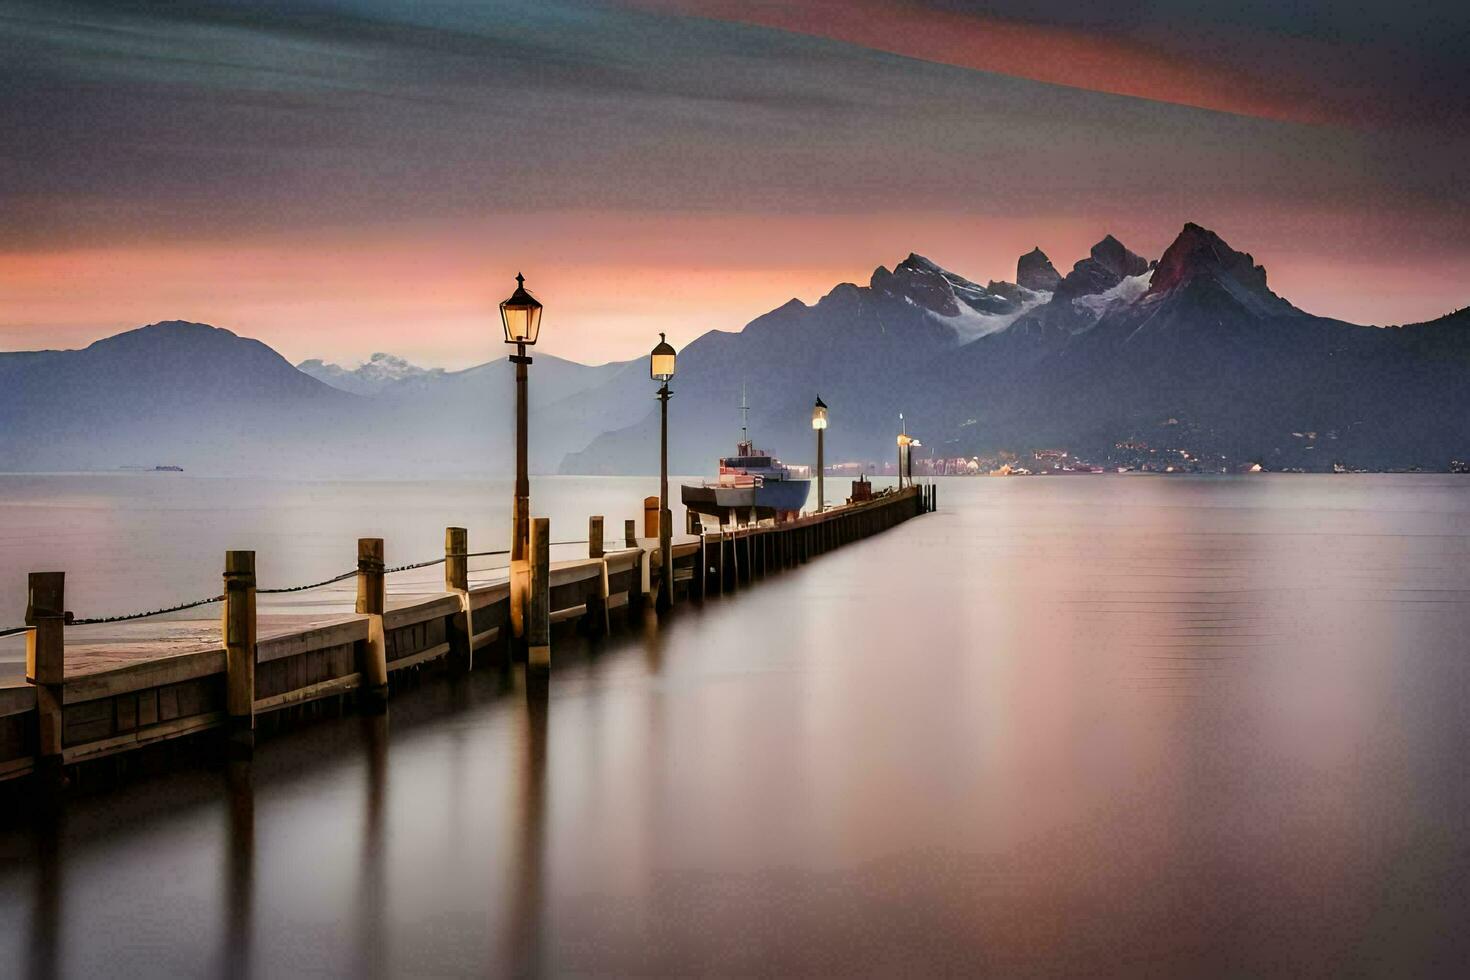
[457, 580]
[722, 579]
[594, 536]
[650, 517]
[46, 668]
[372, 601]
[596, 619]
[700, 581]
[538, 615]
[238, 629]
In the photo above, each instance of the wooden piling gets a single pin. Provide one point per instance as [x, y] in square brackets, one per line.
[46, 667]
[538, 614]
[459, 629]
[372, 602]
[594, 536]
[596, 620]
[650, 517]
[238, 629]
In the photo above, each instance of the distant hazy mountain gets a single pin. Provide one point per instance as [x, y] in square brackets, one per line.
[1192, 353]
[379, 372]
[196, 396]
[169, 393]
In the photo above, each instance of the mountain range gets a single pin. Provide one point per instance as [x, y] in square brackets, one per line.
[1190, 353]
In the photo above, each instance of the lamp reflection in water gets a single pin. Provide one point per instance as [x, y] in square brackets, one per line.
[524, 941]
[45, 931]
[373, 898]
[239, 869]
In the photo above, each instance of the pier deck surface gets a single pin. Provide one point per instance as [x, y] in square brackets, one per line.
[99, 647]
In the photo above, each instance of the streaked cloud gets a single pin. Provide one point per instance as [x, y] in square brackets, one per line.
[600, 139]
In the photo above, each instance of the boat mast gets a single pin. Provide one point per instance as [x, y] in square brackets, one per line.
[745, 448]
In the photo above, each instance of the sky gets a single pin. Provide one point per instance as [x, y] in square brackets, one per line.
[347, 176]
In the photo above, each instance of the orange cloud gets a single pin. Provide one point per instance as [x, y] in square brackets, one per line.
[1042, 53]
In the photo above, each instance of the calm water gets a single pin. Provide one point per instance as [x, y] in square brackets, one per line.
[1083, 726]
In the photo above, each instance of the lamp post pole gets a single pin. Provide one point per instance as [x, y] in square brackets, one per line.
[665, 516]
[521, 518]
[521, 317]
[661, 369]
[821, 490]
[819, 422]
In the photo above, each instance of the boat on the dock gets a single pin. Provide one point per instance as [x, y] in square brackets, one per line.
[752, 485]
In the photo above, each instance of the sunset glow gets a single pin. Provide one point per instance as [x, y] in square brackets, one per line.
[214, 170]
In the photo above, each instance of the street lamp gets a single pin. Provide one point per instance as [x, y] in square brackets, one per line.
[661, 369]
[819, 422]
[521, 317]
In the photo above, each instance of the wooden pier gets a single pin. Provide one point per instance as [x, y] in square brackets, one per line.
[96, 691]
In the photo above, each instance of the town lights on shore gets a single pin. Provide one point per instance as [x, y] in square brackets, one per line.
[661, 369]
[520, 315]
[819, 423]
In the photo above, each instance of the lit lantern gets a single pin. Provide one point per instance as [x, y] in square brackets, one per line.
[819, 415]
[521, 315]
[661, 361]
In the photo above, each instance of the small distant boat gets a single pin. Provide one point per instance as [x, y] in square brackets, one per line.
[168, 469]
[752, 485]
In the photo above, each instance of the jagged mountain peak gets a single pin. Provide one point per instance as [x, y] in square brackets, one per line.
[920, 282]
[1197, 252]
[1114, 256]
[1108, 263]
[1034, 271]
[920, 263]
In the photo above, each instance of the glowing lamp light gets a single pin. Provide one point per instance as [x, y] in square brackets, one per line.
[819, 415]
[521, 315]
[661, 361]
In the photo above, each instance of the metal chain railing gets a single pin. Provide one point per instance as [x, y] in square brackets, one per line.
[96, 620]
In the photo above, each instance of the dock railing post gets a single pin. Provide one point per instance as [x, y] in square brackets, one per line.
[538, 618]
[46, 668]
[372, 601]
[594, 536]
[457, 580]
[238, 630]
[597, 619]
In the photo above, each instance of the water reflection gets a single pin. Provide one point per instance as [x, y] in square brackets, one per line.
[372, 899]
[1058, 728]
[525, 897]
[43, 947]
[239, 869]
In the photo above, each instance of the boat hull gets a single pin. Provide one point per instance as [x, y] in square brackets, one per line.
[772, 499]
